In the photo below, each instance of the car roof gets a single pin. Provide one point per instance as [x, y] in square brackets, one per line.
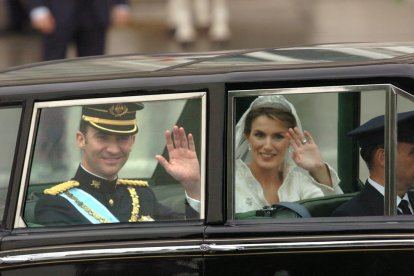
[155, 65]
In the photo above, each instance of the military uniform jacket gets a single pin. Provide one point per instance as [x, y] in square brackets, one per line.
[127, 200]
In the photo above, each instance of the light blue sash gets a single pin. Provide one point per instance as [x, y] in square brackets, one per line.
[91, 203]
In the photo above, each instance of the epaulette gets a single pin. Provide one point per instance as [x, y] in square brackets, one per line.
[132, 182]
[62, 187]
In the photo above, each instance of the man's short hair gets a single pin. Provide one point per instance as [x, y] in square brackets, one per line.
[370, 135]
[367, 153]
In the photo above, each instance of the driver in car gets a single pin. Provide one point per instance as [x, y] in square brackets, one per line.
[370, 201]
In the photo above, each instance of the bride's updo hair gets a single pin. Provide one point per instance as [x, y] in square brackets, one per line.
[285, 117]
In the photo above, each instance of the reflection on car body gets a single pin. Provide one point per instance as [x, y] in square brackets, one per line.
[334, 89]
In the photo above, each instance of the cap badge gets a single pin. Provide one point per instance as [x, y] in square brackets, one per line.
[118, 110]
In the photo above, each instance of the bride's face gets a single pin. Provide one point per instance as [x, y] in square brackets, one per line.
[268, 142]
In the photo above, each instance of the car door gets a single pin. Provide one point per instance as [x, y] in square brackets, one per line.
[281, 240]
[48, 155]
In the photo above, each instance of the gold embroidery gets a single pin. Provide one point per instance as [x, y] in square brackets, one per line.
[62, 187]
[135, 204]
[135, 217]
[96, 184]
[118, 110]
[145, 218]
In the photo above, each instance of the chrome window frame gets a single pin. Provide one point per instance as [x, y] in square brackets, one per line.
[390, 110]
[19, 221]
[13, 154]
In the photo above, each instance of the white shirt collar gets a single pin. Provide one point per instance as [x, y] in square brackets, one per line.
[381, 189]
[96, 174]
[377, 186]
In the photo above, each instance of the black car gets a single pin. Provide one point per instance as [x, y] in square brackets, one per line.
[334, 89]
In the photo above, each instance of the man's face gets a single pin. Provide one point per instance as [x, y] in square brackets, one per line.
[104, 154]
[405, 166]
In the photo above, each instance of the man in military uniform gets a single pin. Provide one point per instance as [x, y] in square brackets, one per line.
[96, 195]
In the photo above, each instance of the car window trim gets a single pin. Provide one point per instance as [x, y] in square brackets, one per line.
[202, 95]
[391, 91]
[390, 145]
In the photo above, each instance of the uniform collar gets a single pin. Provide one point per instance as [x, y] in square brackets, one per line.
[93, 182]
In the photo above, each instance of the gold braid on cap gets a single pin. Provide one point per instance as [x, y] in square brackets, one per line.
[96, 121]
[108, 121]
[62, 187]
[140, 183]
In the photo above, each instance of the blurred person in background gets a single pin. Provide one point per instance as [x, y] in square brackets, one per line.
[185, 16]
[17, 17]
[83, 22]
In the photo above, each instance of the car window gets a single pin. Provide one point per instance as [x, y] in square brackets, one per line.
[99, 156]
[402, 175]
[10, 120]
[373, 104]
[262, 146]
[270, 177]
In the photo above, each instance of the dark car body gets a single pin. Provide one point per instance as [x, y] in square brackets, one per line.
[335, 88]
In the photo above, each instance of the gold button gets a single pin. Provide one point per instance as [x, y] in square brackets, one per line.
[111, 202]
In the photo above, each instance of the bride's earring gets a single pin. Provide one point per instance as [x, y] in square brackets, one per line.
[250, 147]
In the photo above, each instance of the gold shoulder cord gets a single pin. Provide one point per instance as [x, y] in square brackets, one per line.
[131, 182]
[62, 187]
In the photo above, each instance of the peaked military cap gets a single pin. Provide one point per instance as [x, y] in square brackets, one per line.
[372, 132]
[119, 118]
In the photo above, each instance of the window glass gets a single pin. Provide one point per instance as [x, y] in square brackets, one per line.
[275, 174]
[404, 168]
[270, 165]
[96, 163]
[10, 120]
[373, 104]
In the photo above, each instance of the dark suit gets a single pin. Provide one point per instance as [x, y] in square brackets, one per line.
[83, 22]
[57, 210]
[369, 202]
[16, 16]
